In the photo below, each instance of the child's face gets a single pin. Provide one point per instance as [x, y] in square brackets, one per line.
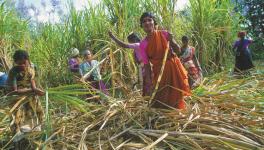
[22, 63]
[184, 42]
[88, 56]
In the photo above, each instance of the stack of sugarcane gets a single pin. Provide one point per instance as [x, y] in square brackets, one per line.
[223, 113]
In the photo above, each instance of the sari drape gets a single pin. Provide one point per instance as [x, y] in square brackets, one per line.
[174, 82]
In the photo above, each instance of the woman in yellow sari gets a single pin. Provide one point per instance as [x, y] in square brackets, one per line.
[173, 85]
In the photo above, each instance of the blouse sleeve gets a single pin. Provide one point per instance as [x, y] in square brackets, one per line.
[133, 46]
[72, 63]
[97, 65]
[250, 41]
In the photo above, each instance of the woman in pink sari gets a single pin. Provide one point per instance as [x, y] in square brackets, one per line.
[173, 85]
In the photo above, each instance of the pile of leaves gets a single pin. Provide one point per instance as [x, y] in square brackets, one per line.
[224, 113]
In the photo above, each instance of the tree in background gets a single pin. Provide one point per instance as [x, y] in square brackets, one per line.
[255, 17]
[253, 22]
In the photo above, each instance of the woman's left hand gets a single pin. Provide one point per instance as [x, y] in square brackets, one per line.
[39, 92]
[173, 43]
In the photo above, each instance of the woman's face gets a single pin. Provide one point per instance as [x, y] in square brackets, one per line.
[148, 24]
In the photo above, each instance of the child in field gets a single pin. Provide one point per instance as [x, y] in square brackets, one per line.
[29, 114]
[134, 43]
[92, 66]
[190, 63]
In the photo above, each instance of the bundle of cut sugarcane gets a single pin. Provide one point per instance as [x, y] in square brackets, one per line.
[223, 113]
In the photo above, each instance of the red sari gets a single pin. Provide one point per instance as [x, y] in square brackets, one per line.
[174, 82]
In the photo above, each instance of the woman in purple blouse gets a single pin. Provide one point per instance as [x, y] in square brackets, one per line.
[73, 64]
[243, 55]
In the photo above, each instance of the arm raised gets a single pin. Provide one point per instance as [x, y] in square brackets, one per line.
[118, 42]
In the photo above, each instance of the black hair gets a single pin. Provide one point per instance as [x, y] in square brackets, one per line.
[133, 37]
[185, 38]
[20, 54]
[147, 14]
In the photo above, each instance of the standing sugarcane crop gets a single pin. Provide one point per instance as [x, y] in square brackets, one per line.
[169, 76]
[27, 112]
[190, 63]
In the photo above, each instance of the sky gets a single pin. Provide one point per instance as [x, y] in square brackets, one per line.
[43, 11]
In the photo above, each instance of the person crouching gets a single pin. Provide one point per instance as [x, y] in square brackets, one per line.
[28, 114]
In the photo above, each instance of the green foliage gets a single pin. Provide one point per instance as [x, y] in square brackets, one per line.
[230, 103]
[253, 23]
[208, 23]
[14, 33]
[214, 29]
[255, 26]
[254, 15]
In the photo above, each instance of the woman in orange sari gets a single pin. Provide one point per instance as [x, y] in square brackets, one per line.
[173, 85]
